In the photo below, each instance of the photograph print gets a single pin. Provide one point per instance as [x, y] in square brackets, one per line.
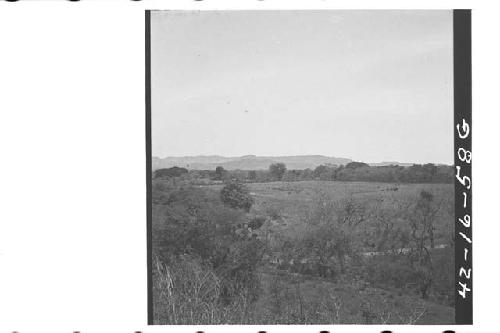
[301, 167]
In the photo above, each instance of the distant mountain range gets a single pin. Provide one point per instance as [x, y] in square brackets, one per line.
[248, 162]
[252, 162]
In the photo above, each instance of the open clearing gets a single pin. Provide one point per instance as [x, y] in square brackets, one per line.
[290, 200]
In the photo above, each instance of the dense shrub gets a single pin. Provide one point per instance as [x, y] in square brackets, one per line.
[256, 222]
[201, 242]
[236, 195]
[197, 222]
[391, 270]
[401, 272]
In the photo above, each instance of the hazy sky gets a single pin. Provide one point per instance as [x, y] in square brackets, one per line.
[368, 85]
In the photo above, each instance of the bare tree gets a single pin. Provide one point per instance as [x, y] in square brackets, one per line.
[332, 229]
[422, 224]
[423, 219]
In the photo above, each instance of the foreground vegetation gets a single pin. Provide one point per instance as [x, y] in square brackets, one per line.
[301, 252]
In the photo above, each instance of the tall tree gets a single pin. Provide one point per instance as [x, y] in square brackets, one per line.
[277, 170]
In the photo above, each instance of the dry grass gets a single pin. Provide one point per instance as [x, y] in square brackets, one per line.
[187, 293]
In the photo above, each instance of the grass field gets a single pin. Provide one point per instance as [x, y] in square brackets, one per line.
[291, 200]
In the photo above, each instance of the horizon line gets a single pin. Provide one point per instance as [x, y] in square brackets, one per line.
[303, 155]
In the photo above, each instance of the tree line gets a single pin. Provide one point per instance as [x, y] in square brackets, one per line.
[354, 171]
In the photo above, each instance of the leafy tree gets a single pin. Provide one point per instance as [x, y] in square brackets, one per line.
[236, 195]
[321, 169]
[277, 170]
[170, 172]
[325, 172]
[252, 175]
[220, 172]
